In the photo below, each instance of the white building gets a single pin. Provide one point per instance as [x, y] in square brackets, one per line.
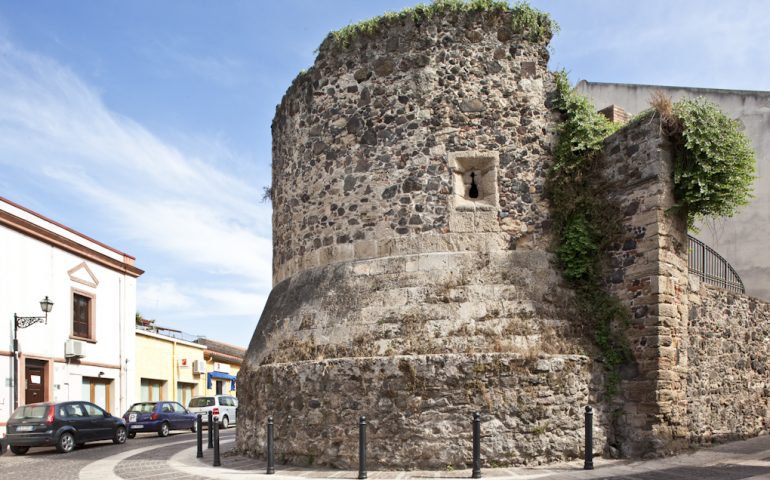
[85, 349]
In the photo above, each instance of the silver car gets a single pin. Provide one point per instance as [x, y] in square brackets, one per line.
[223, 408]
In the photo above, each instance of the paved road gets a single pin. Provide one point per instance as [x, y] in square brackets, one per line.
[137, 457]
[173, 458]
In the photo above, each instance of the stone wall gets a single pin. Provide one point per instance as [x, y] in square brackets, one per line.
[361, 143]
[401, 296]
[384, 259]
[531, 409]
[648, 273]
[728, 383]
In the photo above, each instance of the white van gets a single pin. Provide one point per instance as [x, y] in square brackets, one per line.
[223, 407]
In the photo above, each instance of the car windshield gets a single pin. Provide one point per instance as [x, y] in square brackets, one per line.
[146, 407]
[202, 402]
[30, 411]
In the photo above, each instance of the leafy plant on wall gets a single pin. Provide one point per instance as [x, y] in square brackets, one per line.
[714, 170]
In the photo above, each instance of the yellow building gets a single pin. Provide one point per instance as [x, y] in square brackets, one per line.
[168, 368]
[223, 361]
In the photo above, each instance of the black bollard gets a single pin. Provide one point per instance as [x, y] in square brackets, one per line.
[217, 463]
[589, 461]
[199, 434]
[270, 459]
[362, 447]
[476, 446]
[211, 432]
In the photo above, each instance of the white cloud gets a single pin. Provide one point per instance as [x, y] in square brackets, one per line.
[182, 207]
[164, 296]
[692, 43]
[170, 57]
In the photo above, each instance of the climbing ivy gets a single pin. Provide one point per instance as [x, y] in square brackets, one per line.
[538, 26]
[714, 170]
[584, 224]
[715, 165]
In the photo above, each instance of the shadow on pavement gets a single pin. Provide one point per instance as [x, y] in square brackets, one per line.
[715, 472]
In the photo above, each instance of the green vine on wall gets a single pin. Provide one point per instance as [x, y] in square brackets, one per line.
[714, 170]
[584, 224]
[715, 166]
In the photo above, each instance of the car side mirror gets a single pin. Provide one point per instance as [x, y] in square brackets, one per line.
[107, 414]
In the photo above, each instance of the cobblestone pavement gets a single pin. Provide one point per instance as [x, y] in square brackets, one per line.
[46, 463]
[173, 458]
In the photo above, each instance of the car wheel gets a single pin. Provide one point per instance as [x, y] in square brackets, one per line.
[163, 432]
[66, 443]
[131, 434]
[19, 450]
[225, 423]
[120, 436]
[194, 427]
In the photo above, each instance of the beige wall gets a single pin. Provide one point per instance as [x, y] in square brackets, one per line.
[159, 357]
[742, 239]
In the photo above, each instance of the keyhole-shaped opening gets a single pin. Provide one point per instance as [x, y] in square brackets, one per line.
[474, 191]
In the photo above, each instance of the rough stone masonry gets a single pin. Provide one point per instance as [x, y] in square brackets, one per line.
[415, 282]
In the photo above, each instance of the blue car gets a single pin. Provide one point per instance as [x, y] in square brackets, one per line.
[160, 417]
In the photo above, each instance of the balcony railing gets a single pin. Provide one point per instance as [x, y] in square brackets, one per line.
[711, 267]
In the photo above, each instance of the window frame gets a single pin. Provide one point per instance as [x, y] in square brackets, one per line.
[91, 338]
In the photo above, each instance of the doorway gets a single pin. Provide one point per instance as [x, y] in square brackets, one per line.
[98, 391]
[35, 381]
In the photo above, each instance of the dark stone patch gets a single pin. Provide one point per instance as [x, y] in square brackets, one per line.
[384, 67]
[474, 36]
[392, 44]
[350, 183]
[369, 138]
[632, 208]
[365, 98]
[422, 61]
[528, 69]
[318, 148]
[411, 184]
[629, 244]
[472, 105]
[389, 192]
[354, 124]
[362, 74]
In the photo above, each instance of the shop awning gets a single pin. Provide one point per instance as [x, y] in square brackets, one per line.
[221, 376]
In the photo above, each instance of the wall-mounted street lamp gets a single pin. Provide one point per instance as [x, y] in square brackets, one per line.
[23, 322]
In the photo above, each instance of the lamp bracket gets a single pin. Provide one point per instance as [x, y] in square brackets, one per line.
[24, 322]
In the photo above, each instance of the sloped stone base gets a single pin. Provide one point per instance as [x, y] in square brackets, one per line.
[419, 409]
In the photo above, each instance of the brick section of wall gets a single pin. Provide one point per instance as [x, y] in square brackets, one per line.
[728, 385]
[649, 275]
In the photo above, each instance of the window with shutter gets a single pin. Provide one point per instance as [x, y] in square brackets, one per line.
[81, 311]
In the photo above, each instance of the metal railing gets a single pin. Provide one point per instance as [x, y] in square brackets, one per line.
[711, 267]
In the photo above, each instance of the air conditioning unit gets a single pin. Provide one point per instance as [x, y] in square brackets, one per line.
[199, 366]
[73, 348]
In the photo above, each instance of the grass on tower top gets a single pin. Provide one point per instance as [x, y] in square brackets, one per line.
[537, 25]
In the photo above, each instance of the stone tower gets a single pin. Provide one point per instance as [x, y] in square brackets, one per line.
[412, 281]
[414, 275]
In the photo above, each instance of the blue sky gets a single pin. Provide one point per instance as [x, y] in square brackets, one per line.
[146, 124]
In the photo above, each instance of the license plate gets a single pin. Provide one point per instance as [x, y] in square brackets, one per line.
[132, 417]
[25, 428]
[136, 426]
